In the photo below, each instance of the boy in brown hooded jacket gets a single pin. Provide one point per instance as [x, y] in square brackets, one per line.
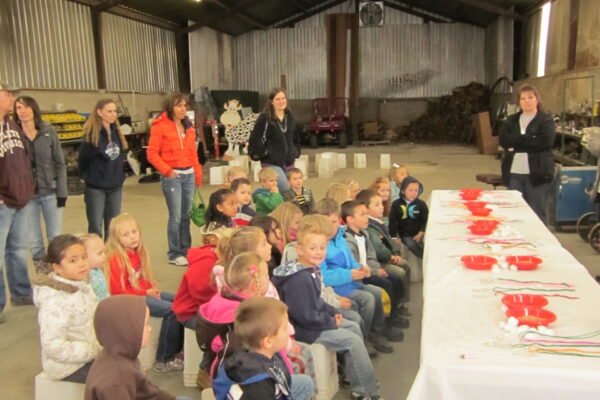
[121, 324]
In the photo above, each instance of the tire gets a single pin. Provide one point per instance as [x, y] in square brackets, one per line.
[585, 224]
[313, 140]
[594, 237]
[342, 139]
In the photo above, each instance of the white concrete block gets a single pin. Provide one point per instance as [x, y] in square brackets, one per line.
[216, 176]
[47, 388]
[326, 375]
[192, 355]
[385, 161]
[301, 165]
[147, 355]
[326, 166]
[360, 160]
[341, 160]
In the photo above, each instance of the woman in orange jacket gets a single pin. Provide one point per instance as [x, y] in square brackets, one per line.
[172, 151]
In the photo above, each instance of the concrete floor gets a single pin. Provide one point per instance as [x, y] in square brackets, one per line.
[438, 167]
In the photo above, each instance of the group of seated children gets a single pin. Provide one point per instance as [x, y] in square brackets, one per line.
[267, 282]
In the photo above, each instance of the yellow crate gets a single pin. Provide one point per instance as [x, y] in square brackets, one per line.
[70, 135]
[58, 118]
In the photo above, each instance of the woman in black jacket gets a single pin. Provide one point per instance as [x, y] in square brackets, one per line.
[275, 139]
[100, 165]
[527, 138]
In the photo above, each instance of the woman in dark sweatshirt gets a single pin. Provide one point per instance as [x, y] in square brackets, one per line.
[101, 166]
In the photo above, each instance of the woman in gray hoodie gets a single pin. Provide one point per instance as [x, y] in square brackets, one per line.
[49, 175]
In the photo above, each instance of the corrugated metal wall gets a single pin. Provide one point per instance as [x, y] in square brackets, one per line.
[46, 44]
[420, 60]
[260, 57]
[138, 56]
[211, 62]
[397, 61]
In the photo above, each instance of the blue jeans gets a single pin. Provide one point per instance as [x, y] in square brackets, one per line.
[403, 272]
[179, 194]
[415, 247]
[302, 387]
[370, 307]
[282, 182]
[392, 285]
[355, 317]
[43, 205]
[101, 205]
[170, 340]
[14, 245]
[357, 365]
[535, 196]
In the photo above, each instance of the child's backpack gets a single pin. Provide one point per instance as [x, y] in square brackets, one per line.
[226, 389]
[207, 331]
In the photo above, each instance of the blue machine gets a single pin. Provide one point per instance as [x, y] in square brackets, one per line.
[570, 200]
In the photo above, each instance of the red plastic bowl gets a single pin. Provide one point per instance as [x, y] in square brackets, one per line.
[493, 224]
[481, 229]
[532, 316]
[478, 262]
[481, 211]
[470, 194]
[475, 204]
[524, 300]
[524, 262]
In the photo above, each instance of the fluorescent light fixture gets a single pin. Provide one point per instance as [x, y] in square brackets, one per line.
[543, 44]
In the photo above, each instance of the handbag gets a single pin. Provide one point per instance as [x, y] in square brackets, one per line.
[198, 209]
[258, 155]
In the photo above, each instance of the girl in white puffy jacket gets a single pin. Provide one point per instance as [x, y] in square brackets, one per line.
[66, 303]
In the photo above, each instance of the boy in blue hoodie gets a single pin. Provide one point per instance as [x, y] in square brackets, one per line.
[408, 216]
[299, 286]
[342, 272]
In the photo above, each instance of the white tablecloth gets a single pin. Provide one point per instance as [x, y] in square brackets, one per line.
[464, 353]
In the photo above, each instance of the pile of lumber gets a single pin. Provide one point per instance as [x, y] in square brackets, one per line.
[449, 118]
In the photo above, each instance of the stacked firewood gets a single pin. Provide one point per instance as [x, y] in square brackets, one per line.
[449, 118]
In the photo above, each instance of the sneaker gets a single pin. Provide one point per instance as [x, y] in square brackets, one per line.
[37, 264]
[394, 334]
[180, 261]
[403, 311]
[203, 380]
[372, 351]
[22, 301]
[398, 322]
[169, 366]
[343, 381]
[358, 396]
[2, 318]
[380, 343]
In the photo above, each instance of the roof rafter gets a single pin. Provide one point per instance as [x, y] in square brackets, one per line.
[305, 14]
[240, 14]
[494, 9]
[413, 11]
[212, 18]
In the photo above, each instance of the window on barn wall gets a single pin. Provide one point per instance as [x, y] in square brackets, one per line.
[543, 39]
